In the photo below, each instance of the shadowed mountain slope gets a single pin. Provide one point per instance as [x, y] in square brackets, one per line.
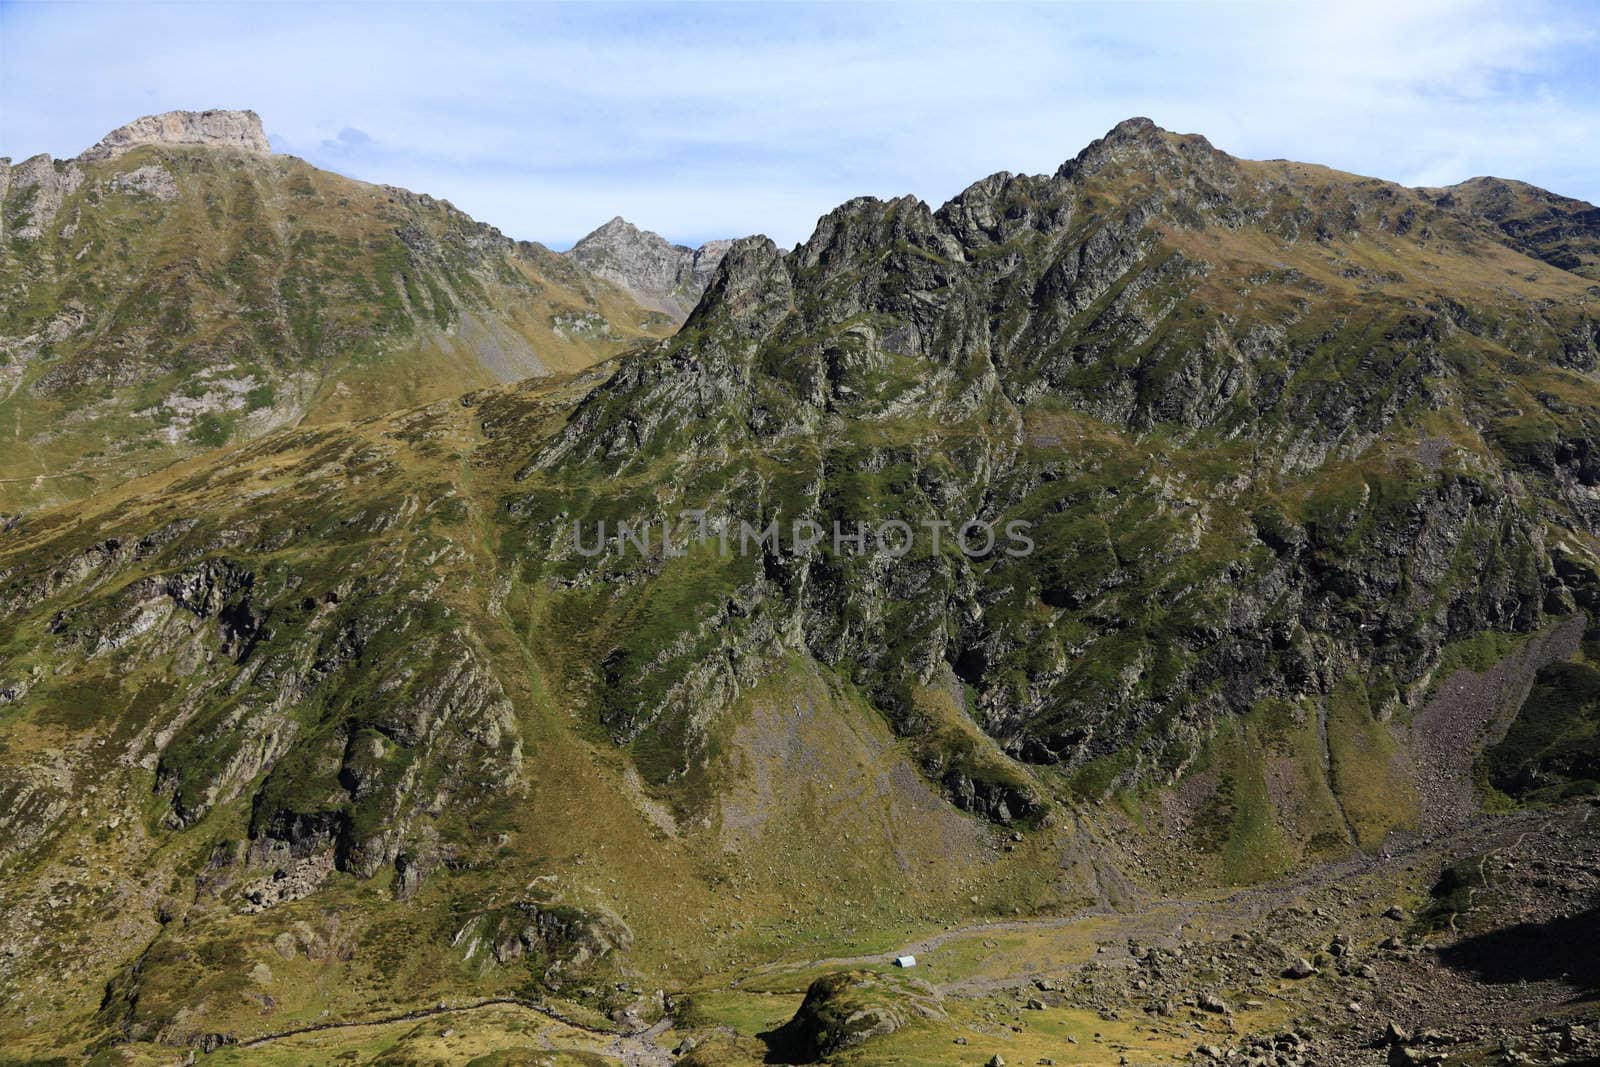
[1282, 436]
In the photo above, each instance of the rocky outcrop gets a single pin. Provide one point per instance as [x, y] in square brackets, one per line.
[844, 1010]
[558, 941]
[37, 187]
[152, 181]
[409, 710]
[1557, 229]
[658, 274]
[213, 128]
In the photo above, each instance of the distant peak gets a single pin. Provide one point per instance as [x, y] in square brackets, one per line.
[617, 230]
[659, 275]
[1134, 128]
[219, 128]
[1137, 138]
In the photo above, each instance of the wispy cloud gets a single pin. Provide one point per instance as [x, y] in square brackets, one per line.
[707, 120]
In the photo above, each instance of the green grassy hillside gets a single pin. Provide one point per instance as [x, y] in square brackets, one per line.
[174, 298]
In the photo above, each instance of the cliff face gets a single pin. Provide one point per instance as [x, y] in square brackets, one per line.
[658, 274]
[213, 128]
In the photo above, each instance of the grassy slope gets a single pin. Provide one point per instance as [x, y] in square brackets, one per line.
[822, 840]
[319, 295]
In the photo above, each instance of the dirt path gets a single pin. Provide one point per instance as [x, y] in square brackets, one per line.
[1166, 918]
[635, 1048]
[1161, 919]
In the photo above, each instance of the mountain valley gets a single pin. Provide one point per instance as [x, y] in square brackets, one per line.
[323, 737]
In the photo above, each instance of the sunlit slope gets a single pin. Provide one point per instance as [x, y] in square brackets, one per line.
[173, 298]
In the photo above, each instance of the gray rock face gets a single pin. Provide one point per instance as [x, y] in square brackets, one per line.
[37, 186]
[657, 273]
[154, 181]
[1032, 294]
[229, 129]
[850, 1008]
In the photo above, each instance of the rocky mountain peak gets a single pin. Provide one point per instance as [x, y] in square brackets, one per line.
[1140, 143]
[1557, 229]
[750, 287]
[660, 275]
[618, 227]
[1135, 130]
[215, 127]
[865, 223]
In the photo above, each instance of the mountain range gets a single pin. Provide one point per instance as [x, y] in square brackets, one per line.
[1254, 670]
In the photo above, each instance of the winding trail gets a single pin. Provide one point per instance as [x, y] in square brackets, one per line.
[635, 1048]
[639, 1048]
[1248, 905]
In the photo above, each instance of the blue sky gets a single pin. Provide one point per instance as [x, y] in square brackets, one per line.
[702, 121]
